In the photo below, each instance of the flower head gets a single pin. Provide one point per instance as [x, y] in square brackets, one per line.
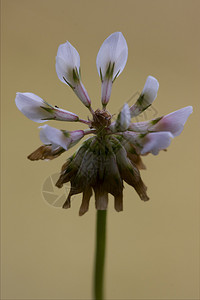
[113, 153]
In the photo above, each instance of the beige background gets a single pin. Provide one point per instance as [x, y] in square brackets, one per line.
[153, 248]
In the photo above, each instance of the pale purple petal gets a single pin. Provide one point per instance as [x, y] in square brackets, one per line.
[63, 115]
[173, 122]
[76, 135]
[149, 143]
[82, 94]
[156, 141]
[106, 88]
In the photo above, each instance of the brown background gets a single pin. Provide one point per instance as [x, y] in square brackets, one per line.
[153, 248]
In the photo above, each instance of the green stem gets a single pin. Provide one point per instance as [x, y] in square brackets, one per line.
[100, 254]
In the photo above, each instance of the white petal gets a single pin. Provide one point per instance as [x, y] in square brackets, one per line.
[156, 141]
[22, 98]
[147, 96]
[123, 119]
[151, 142]
[68, 71]
[43, 136]
[132, 137]
[150, 89]
[173, 122]
[56, 137]
[30, 105]
[113, 50]
[141, 127]
[67, 59]
[38, 110]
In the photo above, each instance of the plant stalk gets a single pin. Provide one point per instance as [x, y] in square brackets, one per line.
[100, 254]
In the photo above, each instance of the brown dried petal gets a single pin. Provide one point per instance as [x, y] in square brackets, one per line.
[136, 160]
[70, 168]
[45, 152]
[133, 155]
[87, 172]
[113, 182]
[132, 177]
[65, 176]
[87, 194]
[73, 191]
[67, 203]
[119, 202]
[101, 197]
[130, 174]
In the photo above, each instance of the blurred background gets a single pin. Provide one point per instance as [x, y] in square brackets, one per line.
[152, 248]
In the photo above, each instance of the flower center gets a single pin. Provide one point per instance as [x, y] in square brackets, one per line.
[101, 119]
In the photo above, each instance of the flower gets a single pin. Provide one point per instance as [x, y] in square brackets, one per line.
[69, 72]
[60, 138]
[38, 110]
[148, 95]
[113, 153]
[111, 60]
